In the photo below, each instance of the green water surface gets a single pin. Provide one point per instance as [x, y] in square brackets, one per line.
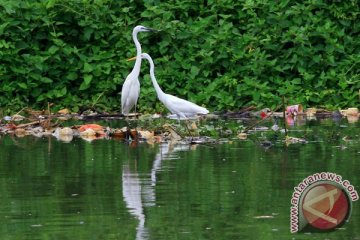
[110, 189]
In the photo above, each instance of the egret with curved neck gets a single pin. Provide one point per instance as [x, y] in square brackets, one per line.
[181, 107]
[131, 87]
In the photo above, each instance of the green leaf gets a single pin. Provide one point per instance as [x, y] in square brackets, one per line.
[72, 76]
[46, 80]
[87, 33]
[87, 79]
[203, 53]
[194, 71]
[53, 49]
[87, 67]
[22, 85]
[3, 26]
[50, 4]
[296, 81]
[61, 92]
[41, 97]
[84, 86]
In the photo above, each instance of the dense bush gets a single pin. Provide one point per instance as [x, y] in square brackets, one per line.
[223, 54]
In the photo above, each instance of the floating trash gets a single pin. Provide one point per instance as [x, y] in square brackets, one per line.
[20, 132]
[242, 136]
[65, 134]
[294, 109]
[17, 118]
[291, 140]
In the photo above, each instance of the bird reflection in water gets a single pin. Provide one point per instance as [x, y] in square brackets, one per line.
[139, 190]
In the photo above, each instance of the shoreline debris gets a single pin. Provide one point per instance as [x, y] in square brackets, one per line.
[65, 126]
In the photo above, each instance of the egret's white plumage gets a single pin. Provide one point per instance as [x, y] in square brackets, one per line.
[182, 108]
[131, 87]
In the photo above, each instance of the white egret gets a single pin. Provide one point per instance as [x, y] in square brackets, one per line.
[131, 87]
[180, 107]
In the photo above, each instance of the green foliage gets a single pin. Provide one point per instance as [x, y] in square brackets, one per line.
[223, 54]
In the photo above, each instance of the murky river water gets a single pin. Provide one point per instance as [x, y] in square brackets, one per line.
[108, 189]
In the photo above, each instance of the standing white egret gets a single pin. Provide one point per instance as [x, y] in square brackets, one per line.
[182, 108]
[131, 87]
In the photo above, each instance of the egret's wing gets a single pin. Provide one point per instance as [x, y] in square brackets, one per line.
[179, 105]
[129, 94]
[125, 93]
[136, 90]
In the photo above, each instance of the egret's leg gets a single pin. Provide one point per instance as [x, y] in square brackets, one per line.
[187, 127]
[186, 124]
[127, 133]
[136, 117]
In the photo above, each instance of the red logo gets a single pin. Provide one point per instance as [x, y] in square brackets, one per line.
[325, 206]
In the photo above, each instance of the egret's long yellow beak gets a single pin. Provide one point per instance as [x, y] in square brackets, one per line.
[131, 59]
[152, 30]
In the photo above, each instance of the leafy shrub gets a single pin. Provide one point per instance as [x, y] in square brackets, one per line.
[223, 54]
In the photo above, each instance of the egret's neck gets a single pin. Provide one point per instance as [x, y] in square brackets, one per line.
[137, 65]
[153, 79]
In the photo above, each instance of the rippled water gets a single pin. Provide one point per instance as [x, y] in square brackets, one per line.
[108, 189]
